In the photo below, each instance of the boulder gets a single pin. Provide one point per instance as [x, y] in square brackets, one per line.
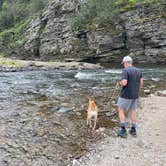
[161, 93]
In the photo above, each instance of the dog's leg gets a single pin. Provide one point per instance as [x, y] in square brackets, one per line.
[87, 121]
[90, 123]
[94, 125]
[95, 122]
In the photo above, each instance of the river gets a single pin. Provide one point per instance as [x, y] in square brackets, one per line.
[43, 113]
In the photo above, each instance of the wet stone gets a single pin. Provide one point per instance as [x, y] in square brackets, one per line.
[112, 113]
[55, 109]
[117, 157]
[147, 91]
[64, 110]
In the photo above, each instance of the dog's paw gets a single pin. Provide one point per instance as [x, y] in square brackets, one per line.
[93, 129]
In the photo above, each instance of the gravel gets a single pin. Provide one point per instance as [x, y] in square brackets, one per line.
[147, 149]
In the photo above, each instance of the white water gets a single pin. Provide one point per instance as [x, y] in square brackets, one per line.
[114, 74]
[100, 75]
[114, 71]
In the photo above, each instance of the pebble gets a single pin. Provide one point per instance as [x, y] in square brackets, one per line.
[117, 157]
[78, 113]
[147, 91]
[145, 155]
[64, 110]
[123, 146]
[141, 143]
[112, 113]
[75, 163]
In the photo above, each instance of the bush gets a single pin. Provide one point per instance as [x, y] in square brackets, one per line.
[37, 5]
[14, 12]
[92, 11]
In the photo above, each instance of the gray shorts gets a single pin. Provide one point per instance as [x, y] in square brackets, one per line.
[127, 104]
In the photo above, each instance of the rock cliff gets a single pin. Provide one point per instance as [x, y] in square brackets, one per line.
[50, 36]
[140, 32]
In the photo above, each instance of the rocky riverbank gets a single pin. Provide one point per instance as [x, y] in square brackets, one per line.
[147, 149]
[13, 65]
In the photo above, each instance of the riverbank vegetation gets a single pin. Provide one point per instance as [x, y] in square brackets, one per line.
[100, 12]
[14, 18]
[18, 11]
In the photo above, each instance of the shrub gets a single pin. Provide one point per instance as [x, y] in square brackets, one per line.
[14, 12]
[92, 11]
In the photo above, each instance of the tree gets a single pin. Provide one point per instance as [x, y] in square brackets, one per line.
[17, 11]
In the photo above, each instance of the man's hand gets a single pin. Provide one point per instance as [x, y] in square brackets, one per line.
[123, 82]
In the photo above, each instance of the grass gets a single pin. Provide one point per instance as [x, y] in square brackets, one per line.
[11, 62]
[16, 29]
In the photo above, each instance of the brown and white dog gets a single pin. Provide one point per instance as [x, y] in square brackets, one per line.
[92, 112]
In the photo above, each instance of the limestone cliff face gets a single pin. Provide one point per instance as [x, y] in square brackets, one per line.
[50, 36]
[140, 33]
[146, 33]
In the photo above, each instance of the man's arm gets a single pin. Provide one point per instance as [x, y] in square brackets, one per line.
[141, 83]
[123, 82]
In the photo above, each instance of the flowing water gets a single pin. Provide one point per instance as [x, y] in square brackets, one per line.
[43, 113]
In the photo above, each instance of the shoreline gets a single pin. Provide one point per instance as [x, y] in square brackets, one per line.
[15, 65]
[148, 148]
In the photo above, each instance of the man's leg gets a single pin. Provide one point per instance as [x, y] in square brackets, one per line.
[122, 132]
[133, 115]
[122, 105]
[121, 114]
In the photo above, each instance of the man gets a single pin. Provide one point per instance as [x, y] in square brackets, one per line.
[131, 82]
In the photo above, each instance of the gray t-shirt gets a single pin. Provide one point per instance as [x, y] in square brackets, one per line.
[133, 76]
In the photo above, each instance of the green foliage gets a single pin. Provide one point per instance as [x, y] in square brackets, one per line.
[18, 28]
[100, 11]
[94, 10]
[37, 5]
[143, 1]
[13, 38]
[15, 12]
